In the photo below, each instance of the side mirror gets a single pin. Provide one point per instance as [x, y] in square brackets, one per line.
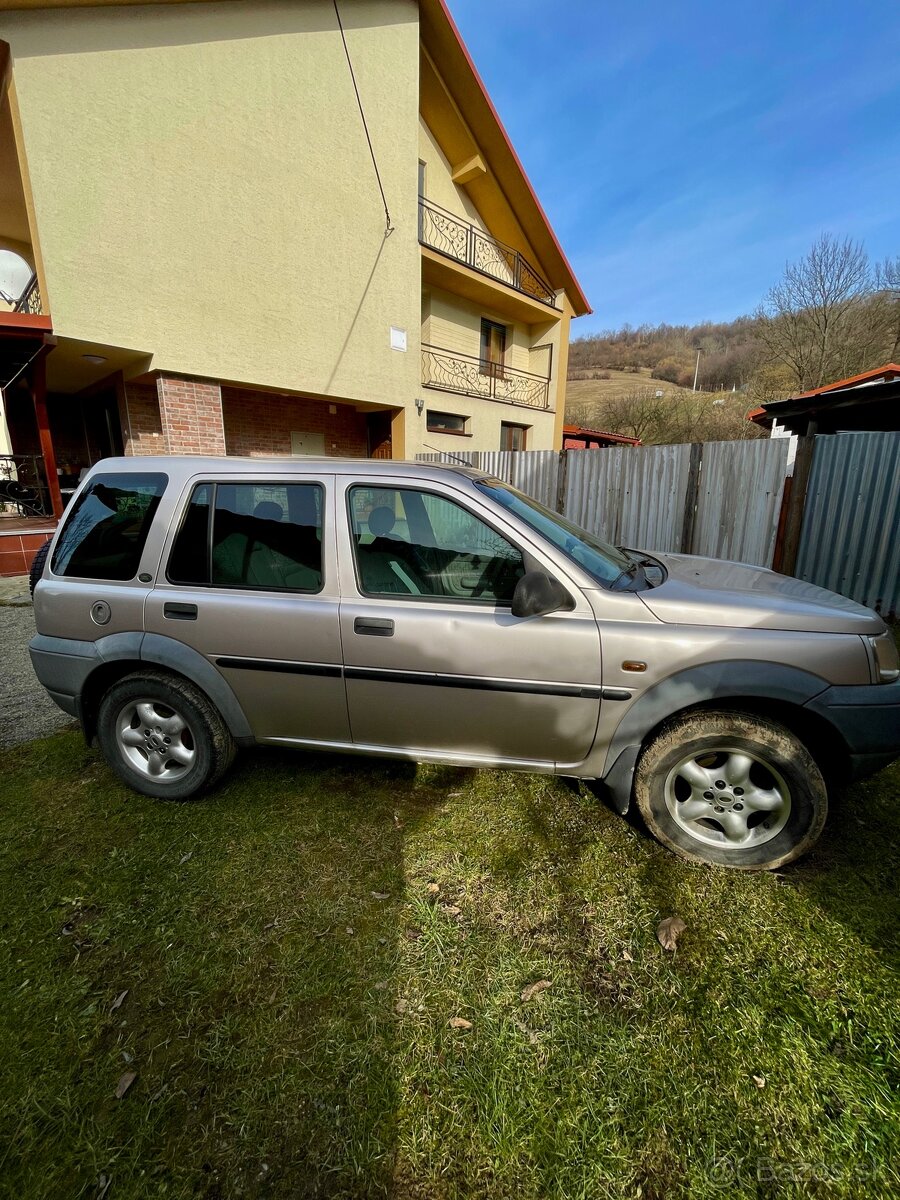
[537, 594]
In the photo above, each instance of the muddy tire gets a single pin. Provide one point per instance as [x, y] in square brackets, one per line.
[163, 736]
[37, 565]
[732, 789]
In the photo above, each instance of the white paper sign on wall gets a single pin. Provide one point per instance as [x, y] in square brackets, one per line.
[398, 338]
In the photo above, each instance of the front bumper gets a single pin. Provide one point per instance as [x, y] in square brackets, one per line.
[868, 719]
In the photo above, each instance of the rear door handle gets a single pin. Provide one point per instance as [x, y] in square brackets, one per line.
[180, 612]
[374, 626]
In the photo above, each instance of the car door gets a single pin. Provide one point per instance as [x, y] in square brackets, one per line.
[249, 580]
[434, 661]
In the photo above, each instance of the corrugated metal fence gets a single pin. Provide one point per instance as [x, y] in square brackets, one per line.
[722, 498]
[850, 537]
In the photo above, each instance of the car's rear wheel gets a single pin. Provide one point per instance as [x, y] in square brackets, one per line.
[732, 789]
[37, 565]
[162, 735]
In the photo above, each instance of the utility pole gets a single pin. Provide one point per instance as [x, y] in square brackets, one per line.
[696, 372]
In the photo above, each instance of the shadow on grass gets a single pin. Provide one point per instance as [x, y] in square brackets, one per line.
[261, 936]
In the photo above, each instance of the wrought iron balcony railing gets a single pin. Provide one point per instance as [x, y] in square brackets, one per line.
[451, 372]
[30, 300]
[446, 233]
[23, 485]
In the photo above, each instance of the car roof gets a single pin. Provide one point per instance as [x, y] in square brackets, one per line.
[189, 465]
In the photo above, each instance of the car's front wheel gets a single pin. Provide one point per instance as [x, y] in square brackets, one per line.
[162, 735]
[732, 789]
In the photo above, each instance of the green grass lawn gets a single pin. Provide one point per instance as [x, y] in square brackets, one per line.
[291, 976]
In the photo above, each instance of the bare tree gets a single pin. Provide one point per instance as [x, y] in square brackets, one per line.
[887, 282]
[808, 320]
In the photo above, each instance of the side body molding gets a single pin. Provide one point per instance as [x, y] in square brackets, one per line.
[733, 681]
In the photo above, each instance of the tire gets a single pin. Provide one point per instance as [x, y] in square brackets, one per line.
[163, 736]
[771, 805]
[37, 565]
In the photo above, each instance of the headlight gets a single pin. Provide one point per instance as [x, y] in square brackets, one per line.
[887, 661]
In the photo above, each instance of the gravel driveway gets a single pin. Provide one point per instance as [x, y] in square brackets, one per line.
[26, 711]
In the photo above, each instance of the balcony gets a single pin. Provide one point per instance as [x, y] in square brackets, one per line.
[442, 231]
[23, 486]
[447, 371]
[30, 300]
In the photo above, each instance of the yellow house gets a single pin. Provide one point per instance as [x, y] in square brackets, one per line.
[264, 227]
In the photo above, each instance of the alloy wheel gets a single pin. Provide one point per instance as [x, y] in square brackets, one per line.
[728, 797]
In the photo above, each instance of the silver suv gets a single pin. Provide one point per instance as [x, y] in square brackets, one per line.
[189, 606]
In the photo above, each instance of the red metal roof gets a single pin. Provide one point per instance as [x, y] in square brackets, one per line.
[888, 371]
[618, 438]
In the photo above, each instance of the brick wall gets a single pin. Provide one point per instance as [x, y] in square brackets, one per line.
[141, 422]
[191, 414]
[261, 423]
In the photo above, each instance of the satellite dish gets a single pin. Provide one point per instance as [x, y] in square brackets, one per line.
[15, 275]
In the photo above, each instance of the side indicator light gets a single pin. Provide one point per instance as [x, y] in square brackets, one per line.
[631, 664]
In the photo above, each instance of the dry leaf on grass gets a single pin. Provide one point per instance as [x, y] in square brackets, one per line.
[452, 910]
[627, 956]
[117, 1003]
[401, 1006]
[535, 989]
[459, 1023]
[668, 931]
[759, 1080]
[379, 895]
[432, 891]
[125, 1083]
[184, 858]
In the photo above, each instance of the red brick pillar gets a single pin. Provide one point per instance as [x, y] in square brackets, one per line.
[191, 416]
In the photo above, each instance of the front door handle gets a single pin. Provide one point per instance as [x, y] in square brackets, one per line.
[180, 612]
[374, 626]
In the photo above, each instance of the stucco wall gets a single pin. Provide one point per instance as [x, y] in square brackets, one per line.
[204, 192]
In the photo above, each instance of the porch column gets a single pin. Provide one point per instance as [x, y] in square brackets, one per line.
[191, 414]
[39, 397]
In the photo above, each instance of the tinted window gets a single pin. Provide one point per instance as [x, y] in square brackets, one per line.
[263, 535]
[189, 560]
[104, 534]
[412, 543]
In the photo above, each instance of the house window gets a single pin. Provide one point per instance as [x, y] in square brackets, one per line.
[512, 437]
[493, 348]
[444, 422]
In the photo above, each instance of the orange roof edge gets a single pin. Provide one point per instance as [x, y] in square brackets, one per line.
[583, 431]
[579, 293]
[887, 369]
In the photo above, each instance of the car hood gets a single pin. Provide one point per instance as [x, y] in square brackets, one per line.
[710, 591]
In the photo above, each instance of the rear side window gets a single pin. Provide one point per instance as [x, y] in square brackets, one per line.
[265, 536]
[104, 534]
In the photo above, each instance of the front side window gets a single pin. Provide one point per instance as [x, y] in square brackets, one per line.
[105, 533]
[265, 536]
[604, 562]
[413, 543]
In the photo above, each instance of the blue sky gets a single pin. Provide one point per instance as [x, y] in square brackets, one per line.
[684, 152]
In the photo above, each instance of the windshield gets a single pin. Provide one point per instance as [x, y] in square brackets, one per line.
[605, 563]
